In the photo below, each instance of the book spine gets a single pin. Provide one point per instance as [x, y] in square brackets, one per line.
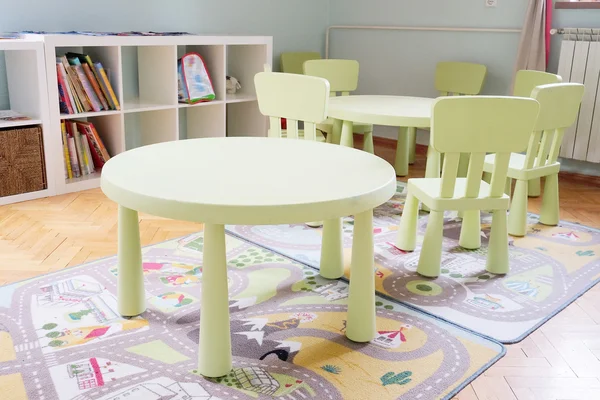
[94, 147]
[79, 147]
[109, 88]
[82, 106]
[68, 169]
[87, 87]
[79, 89]
[64, 100]
[67, 85]
[92, 78]
[62, 104]
[103, 151]
[73, 156]
[87, 153]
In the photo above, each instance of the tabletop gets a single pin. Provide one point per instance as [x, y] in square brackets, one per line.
[383, 110]
[246, 180]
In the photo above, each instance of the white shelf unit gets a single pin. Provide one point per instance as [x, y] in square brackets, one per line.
[27, 95]
[143, 73]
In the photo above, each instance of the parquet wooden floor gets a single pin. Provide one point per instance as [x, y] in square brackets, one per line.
[561, 360]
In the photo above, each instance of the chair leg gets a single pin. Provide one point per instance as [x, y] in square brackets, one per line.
[401, 162]
[407, 231]
[336, 132]
[368, 142]
[535, 187]
[508, 186]
[470, 232]
[431, 251]
[497, 258]
[550, 213]
[517, 217]
[412, 144]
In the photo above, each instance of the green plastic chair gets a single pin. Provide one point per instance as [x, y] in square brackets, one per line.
[559, 105]
[291, 62]
[451, 79]
[474, 125]
[525, 82]
[295, 98]
[343, 79]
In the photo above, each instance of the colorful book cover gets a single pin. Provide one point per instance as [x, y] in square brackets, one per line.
[87, 86]
[102, 94]
[95, 151]
[79, 148]
[105, 83]
[68, 169]
[67, 85]
[63, 94]
[62, 104]
[87, 153]
[80, 93]
[96, 137]
[73, 152]
[92, 79]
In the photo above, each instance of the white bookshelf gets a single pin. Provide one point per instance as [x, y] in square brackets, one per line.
[143, 73]
[27, 94]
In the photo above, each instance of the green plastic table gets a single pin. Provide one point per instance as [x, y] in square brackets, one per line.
[405, 112]
[248, 181]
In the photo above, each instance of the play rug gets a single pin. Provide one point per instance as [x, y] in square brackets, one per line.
[550, 268]
[62, 338]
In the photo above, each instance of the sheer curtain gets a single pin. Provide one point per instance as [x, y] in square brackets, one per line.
[534, 47]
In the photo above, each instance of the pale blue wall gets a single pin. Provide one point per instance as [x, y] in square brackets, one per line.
[408, 58]
[294, 24]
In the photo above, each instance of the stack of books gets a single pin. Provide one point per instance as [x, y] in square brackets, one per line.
[83, 85]
[84, 152]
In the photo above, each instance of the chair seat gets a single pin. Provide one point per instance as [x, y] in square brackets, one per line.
[320, 136]
[516, 165]
[327, 127]
[427, 191]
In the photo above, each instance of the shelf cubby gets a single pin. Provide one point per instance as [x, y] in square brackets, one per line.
[245, 119]
[214, 61]
[149, 127]
[23, 89]
[202, 122]
[149, 78]
[243, 62]
[110, 58]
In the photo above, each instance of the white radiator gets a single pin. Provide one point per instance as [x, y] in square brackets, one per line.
[580, 62]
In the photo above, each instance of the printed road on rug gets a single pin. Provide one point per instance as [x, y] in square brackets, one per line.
[61, 336]
[549, 268]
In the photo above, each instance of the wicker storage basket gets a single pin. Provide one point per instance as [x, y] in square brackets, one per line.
[22, 166]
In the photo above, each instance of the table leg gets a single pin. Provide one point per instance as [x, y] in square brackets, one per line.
[214, 355]
[332, 254]
[336, 131]
[130, 280]
[412, 144]
[401, 163]
[360, 326]
[432, 168]
[347, 138]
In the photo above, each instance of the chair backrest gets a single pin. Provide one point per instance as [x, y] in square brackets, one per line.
[459, 78]
[291, 62]
[559, 106]
[478, 125]
[527, 80]
[341, 74]
[293, 97]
